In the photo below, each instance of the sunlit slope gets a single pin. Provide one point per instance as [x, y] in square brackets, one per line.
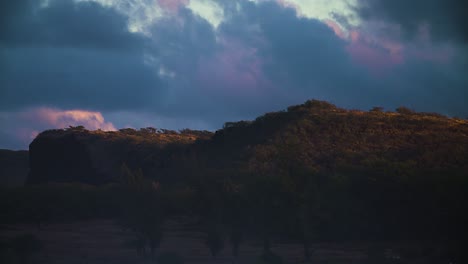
[316, 136]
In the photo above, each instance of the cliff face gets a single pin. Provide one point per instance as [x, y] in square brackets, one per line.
[65, 158]
[315, 136]
[96, 157]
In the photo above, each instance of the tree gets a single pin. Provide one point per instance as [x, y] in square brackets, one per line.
[404, 110]
[236, 212]
[148, 130]
[211, 209]
[143, 209]
[215, 238]
[377, 109]
[311, 213]
[270, 202]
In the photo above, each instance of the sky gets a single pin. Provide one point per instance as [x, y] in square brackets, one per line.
[110, 64]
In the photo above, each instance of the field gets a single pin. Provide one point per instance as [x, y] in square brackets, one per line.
[103, 241]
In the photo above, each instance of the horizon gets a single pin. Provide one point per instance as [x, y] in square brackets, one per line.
[179, 130]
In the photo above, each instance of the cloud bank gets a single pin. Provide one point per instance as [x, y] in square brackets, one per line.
[25, 125]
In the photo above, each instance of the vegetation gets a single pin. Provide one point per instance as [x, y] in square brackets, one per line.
[310, 174]
[142, 210]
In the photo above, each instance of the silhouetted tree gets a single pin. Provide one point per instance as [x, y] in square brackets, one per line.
[215, 239]
[236, 214]
[404, 110]
[377, 109]
[144, 208]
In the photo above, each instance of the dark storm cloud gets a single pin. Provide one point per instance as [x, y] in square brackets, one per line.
[66, 24]
[429, 87]
[307, 60]
[302, 57]
[76, 78]
[287, 60]
[11, 9]
[72, 55]
[447, 18]
[178, 44]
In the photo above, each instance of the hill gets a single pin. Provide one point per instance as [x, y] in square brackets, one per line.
[315, 136]
[323, 136]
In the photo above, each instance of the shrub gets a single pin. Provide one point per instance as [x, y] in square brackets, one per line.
[404, 110]
[377, 109]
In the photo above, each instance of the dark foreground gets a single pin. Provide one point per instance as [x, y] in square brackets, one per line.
[103, 241]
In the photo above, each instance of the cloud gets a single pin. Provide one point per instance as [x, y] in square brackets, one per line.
[302, 63]
[325, 9]
[141, 14]
[21, 127]
[9, 10]
[376, 54]
[446, 20]
[74, 55]
[61, 119]
[312, 61]
[68, 24]
[209, 10]
[173, 5]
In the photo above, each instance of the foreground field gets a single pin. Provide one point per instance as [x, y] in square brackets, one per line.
[102, 241]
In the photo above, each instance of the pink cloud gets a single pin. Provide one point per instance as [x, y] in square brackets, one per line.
[375, 53]
[235, 70]
[424, 49]
[378, 52]
[24, 126]
[441, 55]
[56, 118]
[172, 5]
[336, 28]
[32, 121]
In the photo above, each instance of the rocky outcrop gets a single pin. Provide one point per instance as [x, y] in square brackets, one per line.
[96, 157]
[62, 158]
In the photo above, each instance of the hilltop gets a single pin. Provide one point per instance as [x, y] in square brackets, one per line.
[316, 136]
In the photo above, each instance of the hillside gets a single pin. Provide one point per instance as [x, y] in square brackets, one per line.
[315, 135]
[323, 136]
